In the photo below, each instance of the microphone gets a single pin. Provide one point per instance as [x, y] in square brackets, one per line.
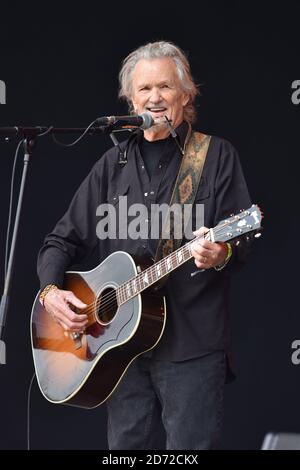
[144, 121]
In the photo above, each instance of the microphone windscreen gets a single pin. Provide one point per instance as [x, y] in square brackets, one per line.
[148, 121]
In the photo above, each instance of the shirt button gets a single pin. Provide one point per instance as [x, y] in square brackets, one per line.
[159, 166]
[144, 246]
[143, 167]
[146, 220]
[152, 192]
[145, 194]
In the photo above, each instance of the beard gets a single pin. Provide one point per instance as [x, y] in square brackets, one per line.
[159, 123]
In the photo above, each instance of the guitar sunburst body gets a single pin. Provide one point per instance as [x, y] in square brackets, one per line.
[83, 370]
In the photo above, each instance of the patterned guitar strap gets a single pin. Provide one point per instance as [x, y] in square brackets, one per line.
[184, 192]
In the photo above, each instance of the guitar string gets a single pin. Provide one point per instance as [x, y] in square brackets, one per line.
[111, 298]
[108, 297]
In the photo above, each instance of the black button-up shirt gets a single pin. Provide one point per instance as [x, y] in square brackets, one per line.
[198, 306]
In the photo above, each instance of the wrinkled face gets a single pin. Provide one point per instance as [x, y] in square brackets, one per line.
[156, 89]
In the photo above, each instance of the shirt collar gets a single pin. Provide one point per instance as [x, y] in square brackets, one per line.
[182, 132]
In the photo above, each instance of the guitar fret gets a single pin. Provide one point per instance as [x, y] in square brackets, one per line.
[163, 267]
[139, 282]
[124, 294]
[189, 251]
[146, 278]
[121, 294]
[173, 261]
[186, 253]
[152, 276]
[179, 256]
[128, 289]
[118, 296]
[220, 233]
[166, 265]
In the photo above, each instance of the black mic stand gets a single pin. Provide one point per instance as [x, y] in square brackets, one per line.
[30, 135]
[29, 143]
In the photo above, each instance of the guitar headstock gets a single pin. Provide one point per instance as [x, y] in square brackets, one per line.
[237, 225]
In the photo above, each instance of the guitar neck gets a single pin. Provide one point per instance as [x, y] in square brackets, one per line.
[157, 271]
[235, 226]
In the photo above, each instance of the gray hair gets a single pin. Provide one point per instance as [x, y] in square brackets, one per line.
[156, 50]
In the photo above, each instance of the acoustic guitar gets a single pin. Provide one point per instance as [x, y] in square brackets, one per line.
[126, 318]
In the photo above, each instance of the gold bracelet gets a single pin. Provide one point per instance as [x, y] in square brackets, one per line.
[228, 256]
[45, 291]
[229, 252]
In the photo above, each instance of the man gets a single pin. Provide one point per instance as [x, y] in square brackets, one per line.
[181, 380]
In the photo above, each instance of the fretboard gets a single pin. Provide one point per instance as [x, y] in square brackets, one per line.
[235, 226]
[154, 273]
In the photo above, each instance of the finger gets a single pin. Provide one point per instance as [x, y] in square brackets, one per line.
[206, 244]
[73, 316]
[200, 231]
[195, 250]
[68, 328]
[199, 252]
[200, 264]
[63, 325]
[59, 318]
[196, 246]
[71, 298]
[201, 240]
[61, 312]
[70, 325]
[66, 305]
[64, 313]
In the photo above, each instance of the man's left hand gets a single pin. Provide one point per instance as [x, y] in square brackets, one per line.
[208, 254]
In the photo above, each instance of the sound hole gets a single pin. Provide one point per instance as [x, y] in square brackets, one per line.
[107, 305]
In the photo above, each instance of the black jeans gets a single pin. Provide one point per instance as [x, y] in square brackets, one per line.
[187, 396]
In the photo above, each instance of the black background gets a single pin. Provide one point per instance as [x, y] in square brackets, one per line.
[60, 64]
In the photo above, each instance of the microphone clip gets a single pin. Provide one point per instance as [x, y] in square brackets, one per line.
[122, 155]
[173, 134]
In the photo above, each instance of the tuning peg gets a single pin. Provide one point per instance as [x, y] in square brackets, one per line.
[257, 235]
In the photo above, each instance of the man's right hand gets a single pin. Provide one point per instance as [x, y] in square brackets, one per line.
[59, 303]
